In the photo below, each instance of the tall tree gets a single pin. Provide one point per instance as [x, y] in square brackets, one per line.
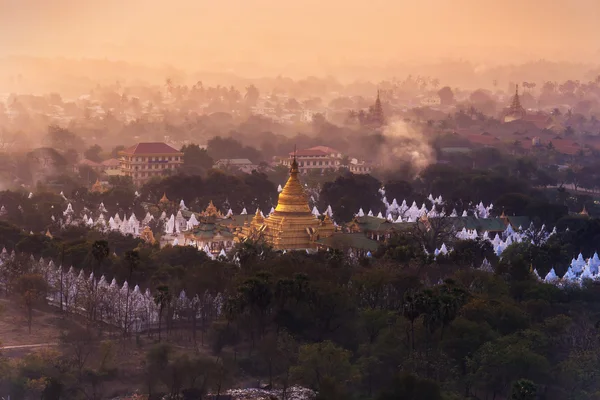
[32, 288]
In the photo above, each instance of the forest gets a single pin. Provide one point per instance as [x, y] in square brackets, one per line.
[399, 325]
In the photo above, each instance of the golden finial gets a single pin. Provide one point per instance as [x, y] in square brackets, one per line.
[164, 198]
[294, 166]
[584, 211]
[48, 234]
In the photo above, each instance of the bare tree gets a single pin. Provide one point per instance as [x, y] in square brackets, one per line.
[431, 233]
[32, 288]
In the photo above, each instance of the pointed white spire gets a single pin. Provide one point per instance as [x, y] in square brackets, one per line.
[279, 189]
[329, 212]
[69, 210]
[244, 212]
[360, 213]
[182, 205]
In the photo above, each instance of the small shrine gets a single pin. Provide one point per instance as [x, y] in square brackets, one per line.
[99, 187]
[212, 211]
[147, 236]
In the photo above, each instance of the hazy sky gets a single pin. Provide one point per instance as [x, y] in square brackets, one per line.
[201, 34]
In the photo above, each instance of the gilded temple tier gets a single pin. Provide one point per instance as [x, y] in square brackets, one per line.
[291, 226]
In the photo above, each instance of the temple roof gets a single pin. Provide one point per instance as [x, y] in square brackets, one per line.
[342, 241]
[151, 148]
[480, 224]
[519, 220]
[211, 211]
[375, 224]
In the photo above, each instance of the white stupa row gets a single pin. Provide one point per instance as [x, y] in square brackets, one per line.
[579, 271]
[126, 308]
[404, 213]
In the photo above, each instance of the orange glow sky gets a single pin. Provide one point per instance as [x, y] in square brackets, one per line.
[201, 34]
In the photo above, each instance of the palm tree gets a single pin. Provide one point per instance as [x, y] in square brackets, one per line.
[162, 298]
[252, 95]
[100, 251]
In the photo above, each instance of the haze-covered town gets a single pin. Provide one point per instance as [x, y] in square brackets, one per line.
[338, 201]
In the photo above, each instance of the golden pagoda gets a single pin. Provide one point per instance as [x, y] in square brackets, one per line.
[164, 199]
[147, 236]
[211, 211]
[99, 187]
[291, 226]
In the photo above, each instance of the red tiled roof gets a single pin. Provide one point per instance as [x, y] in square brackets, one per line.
[541, 121]
[151, 148]
[483, 139]
[326, 149]
[566, 146]
[89, 163]
[309, 153]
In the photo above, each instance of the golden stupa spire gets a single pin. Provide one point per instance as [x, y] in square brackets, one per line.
[164, 198]
[293, 198]
[584, 211]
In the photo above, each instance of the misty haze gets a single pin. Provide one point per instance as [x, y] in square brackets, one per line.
[315, 200]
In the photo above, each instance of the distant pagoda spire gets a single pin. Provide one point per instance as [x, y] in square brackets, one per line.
[516, 106]
[515, 110]
[376, 117]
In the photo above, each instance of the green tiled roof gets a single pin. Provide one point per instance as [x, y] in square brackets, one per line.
[236, 220]
[341, 241]
[481, 224]
[520, 221]
[207, 231]
[374, 224]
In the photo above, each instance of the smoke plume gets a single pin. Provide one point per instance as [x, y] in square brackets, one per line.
[404, 144]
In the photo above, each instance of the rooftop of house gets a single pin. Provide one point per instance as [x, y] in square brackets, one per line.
[151, 148]
[234, 161]
[309, 153]
[89, 163]
[326, 149]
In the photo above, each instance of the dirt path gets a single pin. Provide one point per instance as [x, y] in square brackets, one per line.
[28, 346]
